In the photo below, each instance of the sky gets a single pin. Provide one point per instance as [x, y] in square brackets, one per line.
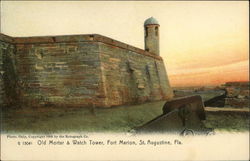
[201, 42]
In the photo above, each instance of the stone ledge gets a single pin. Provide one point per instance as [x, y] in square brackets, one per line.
[227, 109]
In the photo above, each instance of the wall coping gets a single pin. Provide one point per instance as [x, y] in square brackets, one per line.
[75, 38]
[6, 38]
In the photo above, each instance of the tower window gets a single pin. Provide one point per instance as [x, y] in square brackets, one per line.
[156, 31]
[146, 32]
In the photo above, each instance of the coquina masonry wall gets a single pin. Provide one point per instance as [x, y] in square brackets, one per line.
[131, 77]
[80, 71]
[8, 75]
[64, 71]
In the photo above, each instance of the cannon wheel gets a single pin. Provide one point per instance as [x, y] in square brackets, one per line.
[187, 132]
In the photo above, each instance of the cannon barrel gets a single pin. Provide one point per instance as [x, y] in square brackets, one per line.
[180, 115]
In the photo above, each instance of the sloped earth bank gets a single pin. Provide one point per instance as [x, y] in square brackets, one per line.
[117, 119]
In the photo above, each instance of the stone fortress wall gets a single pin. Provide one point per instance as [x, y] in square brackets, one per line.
[237, 94]
[132, 77]
[8, 73]
[79, 71]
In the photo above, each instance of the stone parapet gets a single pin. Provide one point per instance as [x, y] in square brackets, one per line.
[77, 38]
[237, 94]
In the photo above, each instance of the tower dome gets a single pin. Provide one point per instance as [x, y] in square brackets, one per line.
[151, 21]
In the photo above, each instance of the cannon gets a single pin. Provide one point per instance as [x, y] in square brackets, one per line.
[184, 115]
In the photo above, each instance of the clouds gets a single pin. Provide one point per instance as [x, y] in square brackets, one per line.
[238, 71]
[199, 40]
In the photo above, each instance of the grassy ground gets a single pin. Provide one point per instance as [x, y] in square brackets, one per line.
[228, 119]
[117, 119]
[49, 120]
